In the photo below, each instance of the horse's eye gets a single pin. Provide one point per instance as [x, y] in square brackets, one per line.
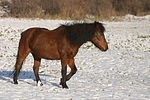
[100, 33]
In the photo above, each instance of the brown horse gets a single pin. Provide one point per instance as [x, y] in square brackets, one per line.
[61, 43]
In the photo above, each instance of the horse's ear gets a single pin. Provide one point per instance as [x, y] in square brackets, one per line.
[99, 25]
[95, 23]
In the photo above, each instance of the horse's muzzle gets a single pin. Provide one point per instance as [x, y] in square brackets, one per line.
[104, 49]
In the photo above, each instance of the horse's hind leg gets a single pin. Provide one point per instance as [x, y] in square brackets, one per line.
[22, 54]
[18, 66]
[36, 65]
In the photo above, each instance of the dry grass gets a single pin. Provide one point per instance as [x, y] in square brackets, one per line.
[77, 9]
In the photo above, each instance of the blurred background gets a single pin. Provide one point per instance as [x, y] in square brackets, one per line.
[73, 9]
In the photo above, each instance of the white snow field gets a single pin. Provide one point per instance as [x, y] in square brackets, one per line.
[121, 73]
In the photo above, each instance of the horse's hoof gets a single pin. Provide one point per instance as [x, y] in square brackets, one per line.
[65, 86]
[39, 83]
[60, 82]
[15, 82]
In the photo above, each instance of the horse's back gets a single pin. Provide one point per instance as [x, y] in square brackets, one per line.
[32, 31]
[41, 41]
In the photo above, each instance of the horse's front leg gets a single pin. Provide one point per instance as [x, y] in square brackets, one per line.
[73, 68]
[63, 73]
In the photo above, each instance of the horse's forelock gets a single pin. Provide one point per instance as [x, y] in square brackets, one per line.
[100, 25]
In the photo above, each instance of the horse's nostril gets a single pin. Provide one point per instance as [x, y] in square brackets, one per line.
[105, 49]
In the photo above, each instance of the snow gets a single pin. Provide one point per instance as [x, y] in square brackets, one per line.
[121, 73]
[132, 17]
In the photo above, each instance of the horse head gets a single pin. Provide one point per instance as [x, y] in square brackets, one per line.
[99, 38]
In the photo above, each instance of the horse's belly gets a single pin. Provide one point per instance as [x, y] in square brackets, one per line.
[51, 56]
[47, 54]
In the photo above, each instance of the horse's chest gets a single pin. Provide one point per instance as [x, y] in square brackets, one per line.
[68, 51]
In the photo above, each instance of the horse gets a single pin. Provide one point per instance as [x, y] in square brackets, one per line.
[61, 44]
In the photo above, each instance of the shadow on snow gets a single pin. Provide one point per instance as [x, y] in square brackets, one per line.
[24, 76]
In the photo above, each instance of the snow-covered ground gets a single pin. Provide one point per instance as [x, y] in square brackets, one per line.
[121, 73]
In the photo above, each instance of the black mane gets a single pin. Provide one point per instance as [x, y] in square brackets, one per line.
[79, 33]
